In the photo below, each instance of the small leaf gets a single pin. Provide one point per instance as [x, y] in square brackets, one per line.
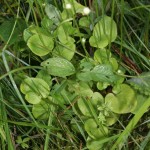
[47, 23]
[40, 44]
[114, 63]
[94, 144]
[97, 98]
[58, 67]
[102, 85]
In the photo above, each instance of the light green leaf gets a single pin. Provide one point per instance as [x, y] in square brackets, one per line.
[84, 108]
[84, 22]
[75, 7]
[104, 32]
[47, 23]
[35, 89]
[102, 85]
[102, 55]
[40, 44]
[102, 73]
[43, 74]
[58, 67]
[66, 50]
[94, 130]
[114, 63]
[97, 99]
[123, 102]
[41, 110]
[32, 97]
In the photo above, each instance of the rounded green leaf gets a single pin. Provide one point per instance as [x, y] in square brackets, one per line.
[66, 50]
[32, 98]
[40, 44]
[58, 67]
[34, 88]
[111, 119]
[123, 102]
[94, 144]
[104, 32]
[102, 55]
[41, 110]
[84, 22]
[114, 63]
[102, 85]
[97, 98]
[94, 130]
[43, 74]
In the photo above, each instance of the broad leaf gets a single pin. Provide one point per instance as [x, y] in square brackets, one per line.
[103, 73]
[95, 130]
[124, 100]
[43, 74]
[66, 50]
[58, 67]
[35, 89]
[40, 44]
[53, 13]
[104, 32]
[41, 110]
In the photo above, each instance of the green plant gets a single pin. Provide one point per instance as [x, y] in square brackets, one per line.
[83, 90]
[55, 42]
